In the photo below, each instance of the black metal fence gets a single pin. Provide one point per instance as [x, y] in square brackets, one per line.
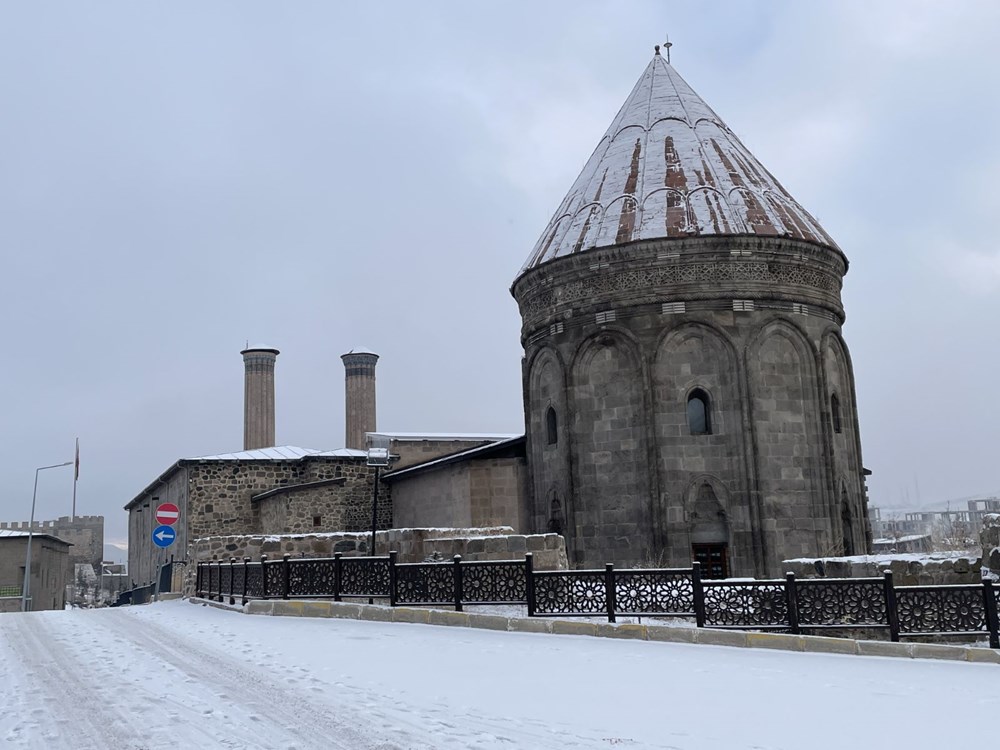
[810, 605]
[144, 594]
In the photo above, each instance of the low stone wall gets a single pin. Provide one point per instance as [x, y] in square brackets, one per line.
[412, 545]
[10, 604]
[908, 569]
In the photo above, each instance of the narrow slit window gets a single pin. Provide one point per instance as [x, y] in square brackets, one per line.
[835, 413]
[551, 427]
[698, 413]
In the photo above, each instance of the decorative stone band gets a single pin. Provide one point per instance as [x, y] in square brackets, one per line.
[259, 362]
[657, 273]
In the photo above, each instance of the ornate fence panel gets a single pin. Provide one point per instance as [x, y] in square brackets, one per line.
[425, 583]
[237, 591]
[760, 605]
[567, 593]
[666, 592]
[494, 582]
[311, 577]
[255, 581]
[365, 576]
[213, 579]
[947, 610]
[274, 578]
[842, 603]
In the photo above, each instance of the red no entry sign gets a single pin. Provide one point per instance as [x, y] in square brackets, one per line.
[167, 514]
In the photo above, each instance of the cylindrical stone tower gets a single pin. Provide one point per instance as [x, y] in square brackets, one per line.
[688, 393]
[359, 388]
[258, 397]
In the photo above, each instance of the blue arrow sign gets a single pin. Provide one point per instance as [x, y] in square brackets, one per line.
[163, 536]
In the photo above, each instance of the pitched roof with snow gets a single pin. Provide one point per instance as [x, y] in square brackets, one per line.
[670, 167]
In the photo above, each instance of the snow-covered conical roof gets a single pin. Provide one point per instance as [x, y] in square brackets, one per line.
[670, 167]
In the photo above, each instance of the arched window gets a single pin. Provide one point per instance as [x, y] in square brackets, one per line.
[551, 427]
[698, 413]
[835, 412]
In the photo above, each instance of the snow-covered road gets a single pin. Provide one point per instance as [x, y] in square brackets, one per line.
[175, 675]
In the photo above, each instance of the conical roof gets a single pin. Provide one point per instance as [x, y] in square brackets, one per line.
[670, 167]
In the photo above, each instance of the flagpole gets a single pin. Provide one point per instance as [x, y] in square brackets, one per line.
[76, 476]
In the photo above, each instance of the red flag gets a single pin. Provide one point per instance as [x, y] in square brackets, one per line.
[76, 464]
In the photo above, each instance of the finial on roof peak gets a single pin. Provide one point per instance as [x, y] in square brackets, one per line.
[656, 49]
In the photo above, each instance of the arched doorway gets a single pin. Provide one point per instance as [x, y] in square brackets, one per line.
[709, 529]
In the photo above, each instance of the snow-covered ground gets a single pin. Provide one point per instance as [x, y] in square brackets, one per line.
[176, 675]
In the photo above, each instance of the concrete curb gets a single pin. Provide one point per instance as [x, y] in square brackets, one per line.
[661, 633]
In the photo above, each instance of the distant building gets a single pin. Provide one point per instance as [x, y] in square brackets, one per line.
[50, 570]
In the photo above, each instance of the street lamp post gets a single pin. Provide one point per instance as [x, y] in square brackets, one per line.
[26, 586]
[378, 458]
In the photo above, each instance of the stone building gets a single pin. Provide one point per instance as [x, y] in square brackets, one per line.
[687, 389]
[50, 570]
[85, 534]
[269, 490]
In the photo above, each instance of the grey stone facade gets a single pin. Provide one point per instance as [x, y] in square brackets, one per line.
[50, 571]
[617, 341]
[221, 497]
[85, 533]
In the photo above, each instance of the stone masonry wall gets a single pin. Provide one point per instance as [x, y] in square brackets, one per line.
[412, 452]
[907, 569]
[85, 533]
[325, 508]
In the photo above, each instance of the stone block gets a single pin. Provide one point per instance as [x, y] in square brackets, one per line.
[535, 542]
[885, 648]
[410, 614]
[982, 655]
[670, 634]
[625, 630]
[290, 608]
[778, 641]
[721, 637]
[823, 645]
[938, 651]
[489, 622]
[447, 617]
[375, 613]
[345, 610]
[572, 627]
[316, 609]
[530, 625]
[260, 607]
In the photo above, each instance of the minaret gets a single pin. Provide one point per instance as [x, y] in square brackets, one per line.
[359, 388]
[258, 397]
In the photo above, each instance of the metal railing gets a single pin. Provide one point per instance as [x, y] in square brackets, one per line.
[810, 605]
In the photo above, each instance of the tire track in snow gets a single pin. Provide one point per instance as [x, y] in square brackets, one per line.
[61, 696]
[310, 723]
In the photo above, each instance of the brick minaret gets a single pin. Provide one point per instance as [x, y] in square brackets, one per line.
[258, 397]
[359, 387]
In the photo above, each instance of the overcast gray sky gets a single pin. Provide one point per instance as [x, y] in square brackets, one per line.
[177, 178]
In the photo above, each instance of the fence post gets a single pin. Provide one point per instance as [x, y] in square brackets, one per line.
[218, 582]
[338, 573]
[529, 582]
[197, 580]
[232, 580]
[457, 573]
[285, 577]
[263, 576]
[609, 590]
[891, 613]
[992, 619]
[392, 578]
[246, 563]
[792, 603]
[699, 594]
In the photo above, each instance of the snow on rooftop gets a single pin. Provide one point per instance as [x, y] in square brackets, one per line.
[282, 452]
[446, 436]
[670, 167]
